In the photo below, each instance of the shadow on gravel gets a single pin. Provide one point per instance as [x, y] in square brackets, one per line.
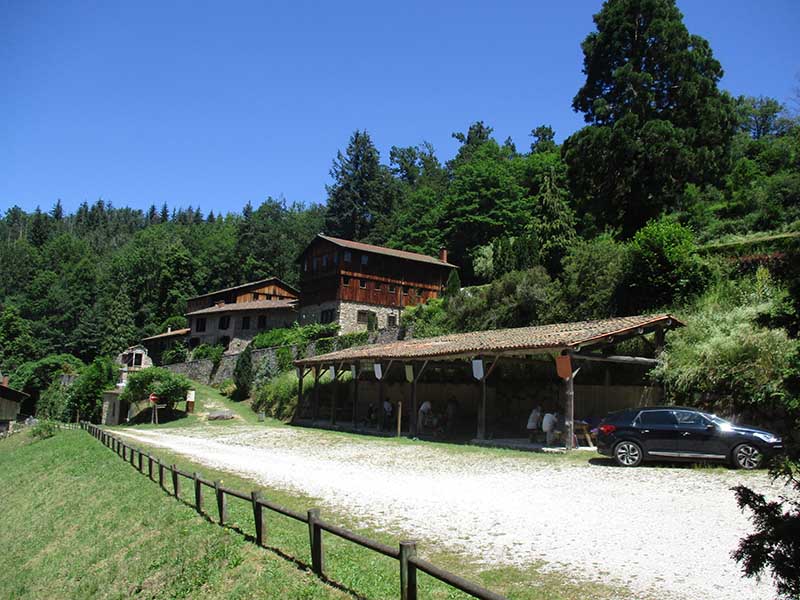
[609, 462]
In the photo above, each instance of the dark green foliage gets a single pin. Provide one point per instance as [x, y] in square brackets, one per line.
[86, 392]
[243, 373]
[174, 322]
[284, 358]
[176, 353]
[348, 340]
[453, 286]
[324, 345]
[429, 319]
[53, 402]
[657, 119]
[44, 429]
[295, 335]
[169, 387]
[208, 352]
[34, 377]
[662, 267]
[592, 275]
[17, 344]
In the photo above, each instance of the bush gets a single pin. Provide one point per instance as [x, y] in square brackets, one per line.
[53, 403]
[227, 388]
[44, 429]
[592, 272]
[325, 345]
[243, 373]
[34, 377]
[86, 393]
[207, 352]
[295, 335]
[277, 397]
[662, 267]
[429, 319]
[348, 340]
[284, 358]
[176, 353]
[169, 387]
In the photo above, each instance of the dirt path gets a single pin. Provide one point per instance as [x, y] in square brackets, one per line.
[663, 531]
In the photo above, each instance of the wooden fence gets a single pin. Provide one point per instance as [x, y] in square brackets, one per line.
[406, 554]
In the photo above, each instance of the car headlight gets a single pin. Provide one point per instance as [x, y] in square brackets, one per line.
[767, 437]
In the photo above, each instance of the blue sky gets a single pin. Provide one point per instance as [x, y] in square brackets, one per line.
[217, 104]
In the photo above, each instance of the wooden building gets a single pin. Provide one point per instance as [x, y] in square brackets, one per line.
[233, 316]
[157, 344]
[351, 283]
[10, 402]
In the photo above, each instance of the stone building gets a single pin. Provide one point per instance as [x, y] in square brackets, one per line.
[351, 283]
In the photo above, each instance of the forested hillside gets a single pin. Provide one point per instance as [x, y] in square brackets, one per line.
[612, 221]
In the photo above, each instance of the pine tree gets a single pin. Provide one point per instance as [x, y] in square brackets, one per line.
[453, 286]
[164, 217]
[39, 230]
[211, 218]
[58, 211]
[152, 215]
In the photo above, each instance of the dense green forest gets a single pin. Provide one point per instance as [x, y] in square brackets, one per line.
[627, 215]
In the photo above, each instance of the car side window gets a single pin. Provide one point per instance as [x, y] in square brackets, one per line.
[657, 417]
[690, 417]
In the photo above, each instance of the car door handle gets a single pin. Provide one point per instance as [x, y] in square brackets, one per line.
[685, 433]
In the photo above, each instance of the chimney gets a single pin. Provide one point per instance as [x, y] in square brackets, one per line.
[443, 254]
[169, 329]
[5, 380]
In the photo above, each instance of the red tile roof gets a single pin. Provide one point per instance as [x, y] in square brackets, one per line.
[361, 247]
[521, 340]
[240, 306]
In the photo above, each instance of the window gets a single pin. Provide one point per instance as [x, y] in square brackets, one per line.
[392, 288]
[690, 417]
[345, 281]
[657, 417]
[314, 263]
[363, 316]
[378, 285]
[200, 324]
[364, 260]
[391, 321]
[405, 290]
[348, 256]
[419, 291]
[327, 316]
[324, 261]
[224, 322]
[362, 283]
[245, 322]
[262, 321]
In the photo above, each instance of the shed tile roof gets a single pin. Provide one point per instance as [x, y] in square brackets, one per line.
[521, 340]
[242, 306]
[169, 334]
[361, 247]
[250, 284]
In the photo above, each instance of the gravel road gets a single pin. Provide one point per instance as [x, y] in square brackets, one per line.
[662, 532]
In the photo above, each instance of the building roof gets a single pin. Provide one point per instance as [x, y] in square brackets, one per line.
[518, 341]
[292, 289]
[242, 306]
[361, 247]
[169, 334]
[8, 393]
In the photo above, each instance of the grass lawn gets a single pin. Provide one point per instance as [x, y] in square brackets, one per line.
[77, 522]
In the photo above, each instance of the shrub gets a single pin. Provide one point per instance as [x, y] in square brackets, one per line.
[592, 271]
[429, 319]
[176, 353]
[284, 358]
[277, 397]
[243, 373]
[295, 335]
[35, 376]
[44, 429]
[662, 266]
[227, 388]
[348, 340]
[53, 403]
[208, 352]
[325, 345]
[169, 387]
[86, 393]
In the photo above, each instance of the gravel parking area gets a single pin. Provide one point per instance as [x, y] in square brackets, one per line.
[662, 532]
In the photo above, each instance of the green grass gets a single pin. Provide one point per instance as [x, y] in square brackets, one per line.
[77, 522]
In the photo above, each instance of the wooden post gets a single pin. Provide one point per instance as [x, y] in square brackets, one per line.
[300, 404]
[334, 394]
[659, 341]
[355, 397]
[569, 393]
[222, 507]
[482, 411]
[176, 484]
[315, 405]
[131, 453]
[408, 572]
[412, 418]
[140, 461]
[315, 541]
[198, 493]
[160, 475]
[258, 518]
[149, 467]
[399, 416]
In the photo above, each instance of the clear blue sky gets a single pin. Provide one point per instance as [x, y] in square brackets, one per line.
[219, 103]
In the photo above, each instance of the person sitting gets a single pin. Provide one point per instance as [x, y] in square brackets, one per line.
[423, 415]
[534, 420]
[549, 426]
[387, 415]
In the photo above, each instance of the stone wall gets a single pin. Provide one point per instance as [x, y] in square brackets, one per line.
[346, 315]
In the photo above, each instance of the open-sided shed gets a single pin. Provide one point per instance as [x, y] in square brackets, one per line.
[567, 343]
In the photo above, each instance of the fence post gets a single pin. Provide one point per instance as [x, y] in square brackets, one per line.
[124, 448]
[176, 486]
[140, 461]
[222, 507]
[408, 572]
[149, 467]
[132, 452]
[315, 541]
[258, 518]
[160, 474]
[198, 493]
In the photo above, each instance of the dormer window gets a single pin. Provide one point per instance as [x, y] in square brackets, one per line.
[364, 260]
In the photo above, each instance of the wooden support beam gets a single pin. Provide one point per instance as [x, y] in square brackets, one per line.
[623, 360]
[301, 372]
[355, 395]
[315, 405]
[334, 394]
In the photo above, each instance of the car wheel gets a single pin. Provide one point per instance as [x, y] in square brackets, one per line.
[747, 456]
[628, 454]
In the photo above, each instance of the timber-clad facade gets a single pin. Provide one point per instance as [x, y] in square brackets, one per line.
[350, 282]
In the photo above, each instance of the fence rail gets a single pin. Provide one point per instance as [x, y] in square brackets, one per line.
[406, 554]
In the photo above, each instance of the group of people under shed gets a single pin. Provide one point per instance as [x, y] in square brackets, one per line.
[548, 425]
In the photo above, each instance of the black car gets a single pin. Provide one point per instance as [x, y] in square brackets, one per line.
[677, 433]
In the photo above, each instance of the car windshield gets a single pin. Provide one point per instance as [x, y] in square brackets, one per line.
[721, 423]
